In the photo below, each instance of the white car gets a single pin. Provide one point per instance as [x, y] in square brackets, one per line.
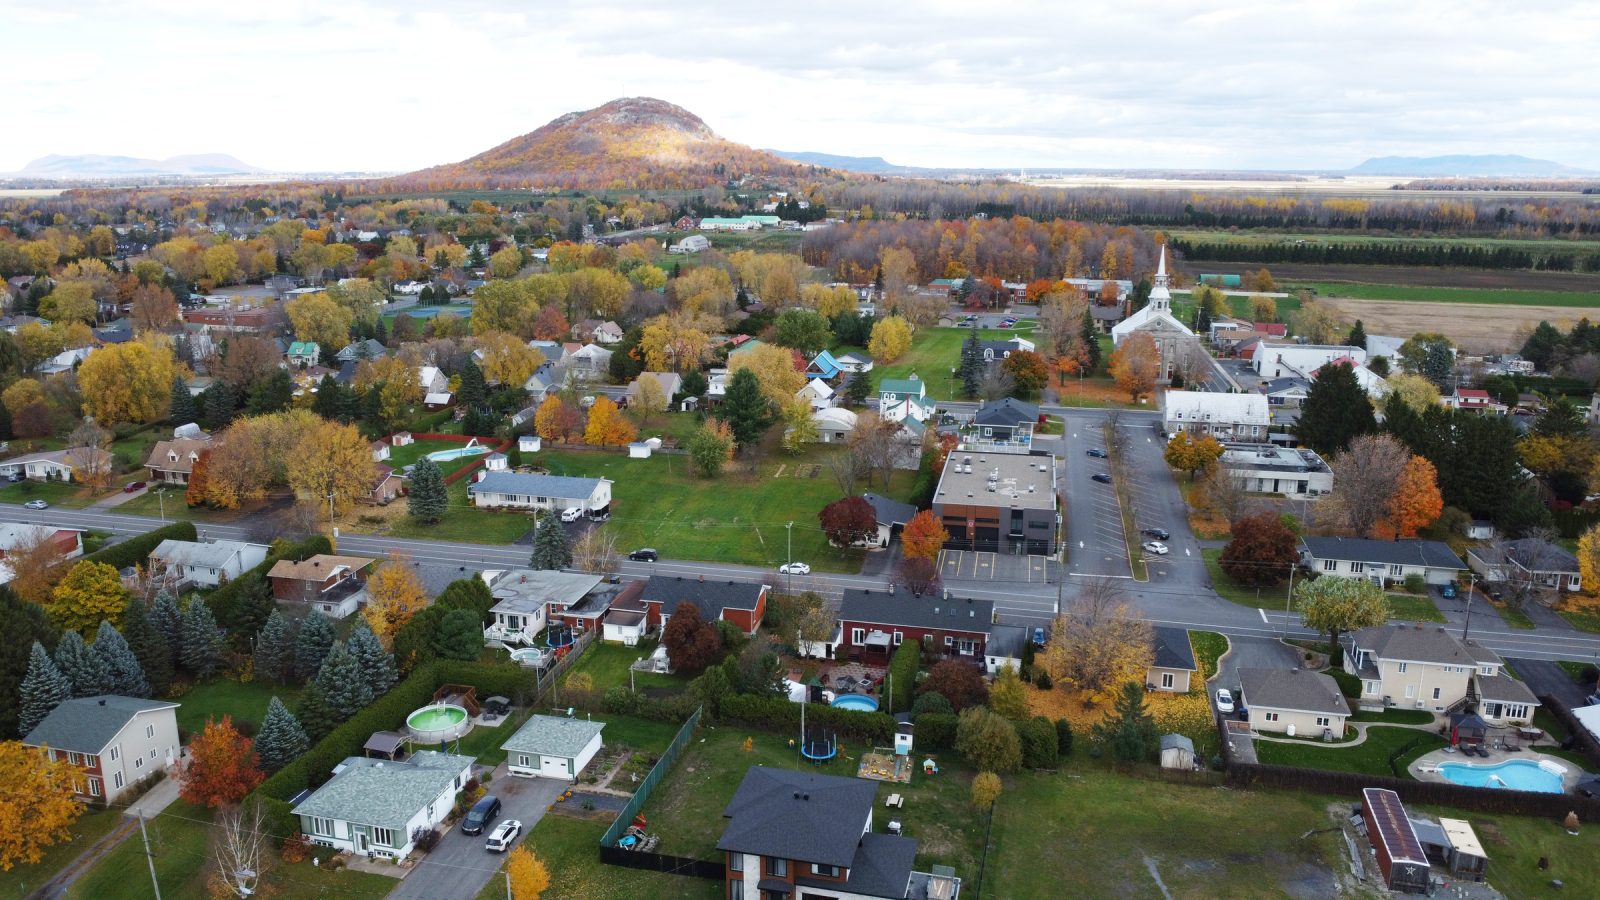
[586, 402]
[571, 515]
[503, 836]
[1224, 700]
[1155, 547]
[794, 568]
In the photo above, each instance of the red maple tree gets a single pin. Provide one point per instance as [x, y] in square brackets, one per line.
[849, 520]
[223, 766]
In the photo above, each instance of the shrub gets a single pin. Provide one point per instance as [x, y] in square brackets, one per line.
[1063, 737]
[987, 741]
[931, 702]
[1416, 584]
[904, 669]
[780, 715]
[621, 701]
[936, 731]
[1043, 681]
[136, 550]
[1040, 747]
[1349, 685]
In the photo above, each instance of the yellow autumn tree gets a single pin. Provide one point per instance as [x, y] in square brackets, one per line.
[529, 877]
[607, 426]
[331, 461]
[890, 340]
[1589, 558]
[1136, 364]
[37, 808]
[319, 318]
[91, 593]
[506, 359]
[774, 368]
[394, 595]
[129, 382]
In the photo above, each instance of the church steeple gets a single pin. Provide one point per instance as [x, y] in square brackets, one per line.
[1160, 297]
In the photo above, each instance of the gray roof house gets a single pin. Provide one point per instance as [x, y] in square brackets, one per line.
[117, 741]
[1171, 660]
[1296, 701]
[373, 807]
[207, 563]
[525, 599]
[802, 832]
[1427, 667]
[1381, 561]
[552, 747]
[516, 490]
[1527, 561]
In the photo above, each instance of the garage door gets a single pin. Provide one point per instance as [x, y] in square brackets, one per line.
[553, 766]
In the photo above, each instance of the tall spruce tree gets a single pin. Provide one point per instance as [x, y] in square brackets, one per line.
[1438, 366]
[1091, 342]
[745, 408]
[274, 653]
[280, 738]
[342, 683]
[970, 370]
[124, 676]
[550, 548]
[376, 663]
[21, 623]
[429, 498]
[474, 391]
[221, 403]
[81, 665]
[311, 646]
[314, 713]
[149, 646]
[168, 619]
[330, 401]
[1358, 336]
[1335, 411]
[43, 689]
[272, 393]
[184, 410]
[202, 640]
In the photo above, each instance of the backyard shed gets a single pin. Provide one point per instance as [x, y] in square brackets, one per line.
[552, 747]
[1399, 852]
[1177, 752]
[528, 443]
[1466, 858]
[639, 450]
[903, 728]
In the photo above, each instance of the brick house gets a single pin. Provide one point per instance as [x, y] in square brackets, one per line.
[15, 535]
[873, 623]
[335, 585]
[742, 603]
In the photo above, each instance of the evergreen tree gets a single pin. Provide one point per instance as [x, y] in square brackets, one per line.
[220, 405]
[124, 676]
[245, 610]
[1130, 730]
[1358, 336]
[1091, 342]
[1542, 346]
[742, 298]
[272, 393]
[21, 623]
[745, 408]
[149, 646]
[474, 390]
[316, 717]
[1439, 364]
[971, 368]
[459, 636]
[342, 683]
[311, 646]
[81, 665]
[550, 548]
[859, 389]
[1561, 418]
[168, 620]
[280, 738]
[274, 653]
[202, 640]
[1202, 320]
[376, 663]
[429, 497]
[380, 333]
[330, 400]
[183, 408]
[694, 384]
[1335, 411]
[43, 689]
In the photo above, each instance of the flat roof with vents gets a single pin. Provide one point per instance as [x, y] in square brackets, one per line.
[1007, 480]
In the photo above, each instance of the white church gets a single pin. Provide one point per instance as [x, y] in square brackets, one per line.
[1155, 319]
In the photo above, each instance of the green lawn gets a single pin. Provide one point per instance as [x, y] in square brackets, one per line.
[1208, 648]
[56, 493]
[461, 522]
[1370, 756]
[1513, 616]
[165, 501]
[245, 702]
[1268, 598]
[1575, 299]
[1395, 716]
[1414, 609]
[567, 847]
[607, 666]
[934, 352]
[180, 845]
[1584, 619]
[90, 827]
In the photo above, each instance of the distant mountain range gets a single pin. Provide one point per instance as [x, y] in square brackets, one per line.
[1485, 165]
[870, 165]
[94, 165]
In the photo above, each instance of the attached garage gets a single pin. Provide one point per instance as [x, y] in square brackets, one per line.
[552, 747]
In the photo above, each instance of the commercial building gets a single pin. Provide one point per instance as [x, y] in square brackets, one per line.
[998, 502]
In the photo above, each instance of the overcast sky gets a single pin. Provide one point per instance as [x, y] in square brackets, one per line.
[333, 85]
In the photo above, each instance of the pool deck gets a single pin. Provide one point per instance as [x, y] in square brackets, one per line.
[1426, 768]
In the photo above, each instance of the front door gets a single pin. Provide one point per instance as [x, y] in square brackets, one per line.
[361, 841]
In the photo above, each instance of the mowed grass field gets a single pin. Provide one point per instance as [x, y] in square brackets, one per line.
[1406, 292]
[934, 352]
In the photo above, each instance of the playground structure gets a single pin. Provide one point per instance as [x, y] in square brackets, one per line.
[883, 764]
[819, 744]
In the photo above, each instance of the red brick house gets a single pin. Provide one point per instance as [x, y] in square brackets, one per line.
[742, 603]
[873, 623]
[335, 585]
[14, 535]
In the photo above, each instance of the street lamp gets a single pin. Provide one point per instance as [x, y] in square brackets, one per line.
[788, 568]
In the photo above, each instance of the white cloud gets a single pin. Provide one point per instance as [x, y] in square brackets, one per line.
[303, 85]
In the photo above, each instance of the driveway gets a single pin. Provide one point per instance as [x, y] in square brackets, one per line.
[459, 866]
[1254, 653]
[1545, 678]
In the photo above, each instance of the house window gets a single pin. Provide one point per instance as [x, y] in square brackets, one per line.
[857, 635]
[94, 787]
[1402, 669]
[116, 753]
[1166, 680]
[1357, 567]
[949, 641]
[430, 812]
[736, 862]
[116, 780]
[1436, 693]
[383, 837]
[1515, 711]
[152, 753]
[322, 826]
[777, 867]
[1411, 691]
[1371, 687]
[736, 890]
[1396, 571]
[149, 731]
[1486, 670]
[138, 763]
[829, 871]
[1328, 565]
[1272, 717]
[523, 760]
[1322, 721]
[74, 758]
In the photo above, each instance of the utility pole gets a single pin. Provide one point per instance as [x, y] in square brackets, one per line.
[1472, 578]
[788, 569]
[1287, 598]
[161, 498]
[154, 883]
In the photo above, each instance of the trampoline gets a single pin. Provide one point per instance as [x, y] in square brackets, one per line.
[820, 745]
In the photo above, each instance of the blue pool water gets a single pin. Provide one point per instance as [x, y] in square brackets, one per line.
[1515, 775]
[858, 702]
[472, 449]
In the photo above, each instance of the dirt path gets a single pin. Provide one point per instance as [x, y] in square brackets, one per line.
[57, 886]
[1476, 327]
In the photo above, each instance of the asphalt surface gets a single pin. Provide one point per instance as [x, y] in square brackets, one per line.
[460, 866]
[1545, 678]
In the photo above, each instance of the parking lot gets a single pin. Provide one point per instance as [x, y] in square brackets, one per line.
[971, 565]
[1095, 544]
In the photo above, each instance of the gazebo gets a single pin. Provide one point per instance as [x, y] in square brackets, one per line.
[1468, 729]
[386, 744]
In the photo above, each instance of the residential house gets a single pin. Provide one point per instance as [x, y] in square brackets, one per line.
[1171, 662]
[1276, 360]
[1527, 561]
[854, 362]
[1270, 469]
[823, 366]
[607, 333]
[591, 360]
[433, 381]
[552, 747]
[111, 742]
[803, 834]
[302, 354]
[742, 603]
[1007, 644]
[437, 400]
[384, 487]
[545, 379]
[998, 502]
[1383, 562]
[335, 585]
[1004, 426]
[256, 320]
[817, 393]
[207, 563]
[1226, 417]
[1374, 384]
[1106, 318]
[1474, 400]
[526, 600]
[1426, 667]
[1173, 339]
[834, 424]
[65, 361]
[900, 399]
[516, 490]
[1295, 702]
[172, 462]
[627, 619]
[380, 450]
[16, 536]
[552, 351]
[873, 623]
[361, 350]
[892, 516]
[377, 807]
[671, 384]
[993, 351]
[75, 464]
[1289, 393]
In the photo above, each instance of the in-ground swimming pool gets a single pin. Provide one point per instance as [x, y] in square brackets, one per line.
[859, 702]
[472, 448]
[1513, 774]
[438, 722]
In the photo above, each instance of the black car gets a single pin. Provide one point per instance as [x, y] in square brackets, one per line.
[1097, 453]
[481, 816]
[1160, 534]
[1101, 477]
[644, 555]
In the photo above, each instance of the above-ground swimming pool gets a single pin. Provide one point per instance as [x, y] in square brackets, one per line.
[438, 722]
[859, 702]
[1513, 774]
[472, 448]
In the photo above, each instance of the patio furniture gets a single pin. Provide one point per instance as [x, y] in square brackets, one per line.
[895, 801]
[894, 826]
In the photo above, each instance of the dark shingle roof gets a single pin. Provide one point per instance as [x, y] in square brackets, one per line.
[87, 724]
[1172, 650]
[1434, 554]
[889, 512]
[1006, 641]
[712, 597]
[1541, 556]
[1010, 411]
[952, 614]
[881, 867]
[1296, 689]
[798, 815]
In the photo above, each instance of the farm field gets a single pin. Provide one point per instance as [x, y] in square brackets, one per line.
[1247, 238]
[1298, 274]
[1454, 295]
[1476, 327]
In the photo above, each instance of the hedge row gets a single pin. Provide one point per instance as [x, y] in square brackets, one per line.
[136, 550]
[903, 668]
[783, 716]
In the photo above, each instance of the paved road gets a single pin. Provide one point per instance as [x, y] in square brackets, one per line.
[460, 866]
[1546, 678]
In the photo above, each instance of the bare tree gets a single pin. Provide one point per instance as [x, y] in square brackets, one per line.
[1098, 643]
[997, 383]
[876, 445]
[239, 848]
[91, 454]
[1226, 495]
[1365, 478]
[596, 552]
[817, 624]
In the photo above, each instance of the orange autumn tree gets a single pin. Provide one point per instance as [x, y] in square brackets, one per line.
[607, 427]
[195, 494]
[37, 808]
[1416, 502]
[1136, 364]
[924, 536]
[223, 766]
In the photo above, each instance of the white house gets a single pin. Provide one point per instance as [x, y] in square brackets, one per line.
[834, 424]
[111, 741]
[608, 332]
[854, 362]
[1271, 469]
[516, 490]
[1227, 417]
[817, 393]
[716, 384]
[1383, 562]
[591, 359]
[904, 398]
[375, 807]
[205, 563]
[1273, 360]
[432, 380]
[59, 465]
[552, 747]
[525, 599]
[1296, 702]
